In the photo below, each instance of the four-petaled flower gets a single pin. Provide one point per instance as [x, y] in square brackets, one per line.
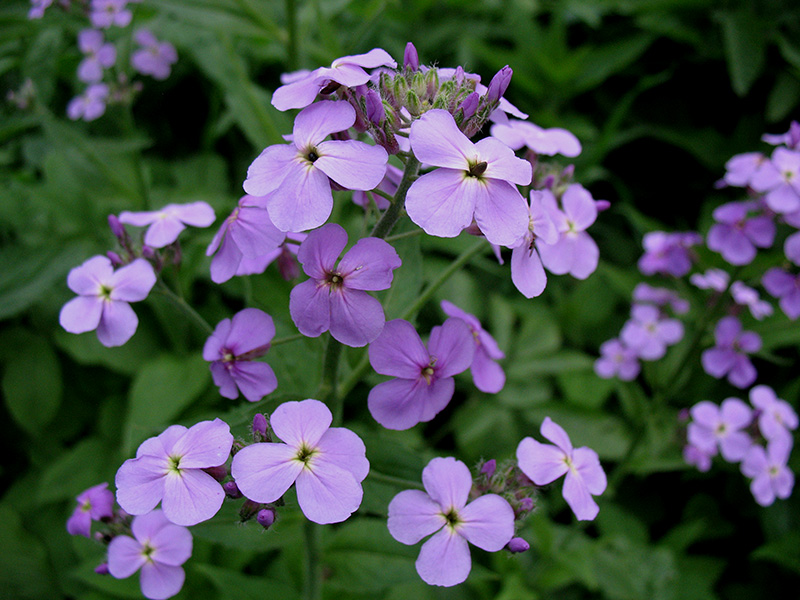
[771, 477]
[93, 504]
[729, 355]
[722, 427]
[167, 223]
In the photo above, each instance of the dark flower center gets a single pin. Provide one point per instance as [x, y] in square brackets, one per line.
[428, 371]
[312, 156]
[478, 169]
[304, 454]
[335, 279]
[452, 517]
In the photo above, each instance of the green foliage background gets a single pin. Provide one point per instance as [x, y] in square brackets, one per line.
[660, 92]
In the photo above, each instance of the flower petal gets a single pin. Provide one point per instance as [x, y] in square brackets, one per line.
[81, 314]
[320, 250]
[398, 351]
[317, 121]
[251, 328]
[206, 444]
[328, 493]
[301, 423]
[452, 345]
[117, 324]
[191, 496]
[263, 472]
[356, 317]
[369, 265]
[436, 140]
[132, 282]
[500, 211]
[125, 557]
[345, 449]
[159, 581]
[442, 202]
[413, 515]
[444, 559]
[448, 482]
[542, 463]
[309, 307]
[352, 164]
[487, 522]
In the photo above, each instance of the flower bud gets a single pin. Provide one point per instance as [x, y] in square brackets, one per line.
[517, 545]
[266, 517]
[499, 84]
[489, 467]
[101, 569]
[375, 110]
[410, 57]
[219, 473]
[413, 104]
[288, 266]
[249, 510]
[602, 205]
[526, 504]
[115, 258]
[259, 427]
[469, 105]
[117, 228]
[231, 490]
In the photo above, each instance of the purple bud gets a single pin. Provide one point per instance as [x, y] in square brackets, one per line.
[568, 172]
[288, 266]
[470, 105]
[148, 252]
[410, 57]
[117, 228]
[266, 517]
[249, 510]
[101, 569]
[375, 110]
[260, 426]
[458, 76]
[526, 504]
[684, 415]
[219, 473]
[115, 258]
[499, 84]
[517, 545]
[549, 182]
[489, 467]
[231, 490]
[602, 205]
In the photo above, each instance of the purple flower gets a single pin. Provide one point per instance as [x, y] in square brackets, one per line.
[335, 297]
[776, 417]
[93, 504]
[575, 252]
[388, 184]
[167, 223]
[791, 248]
[527, 272]
[424, 381]
[169, 469]
[518, 134]
[648, 334]
[721, 427]
[729, 355]
[347, 71]
[487, 522]
[698, 457]
[736, 236]
[644, 293]
[486, 373]
[740, 169]
[779, 178]
[38, 7]
[232, 348]
[712, 279]
[747, 296]
[99, 56]
[617, 360]
[103, 297]
[771, 478]
[247, 234]
[159, 548]
[153, 58]
[668, 253]
[106, 13]
[90, 105]
[544, 463]
[326, 464]
[786, 287]
[473, 181]
[791, 138]
[297, 176]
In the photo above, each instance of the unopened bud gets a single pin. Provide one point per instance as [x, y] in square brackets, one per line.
[148, 252]
[469, 105]
[249, 510]
[526, 504]
[117, 228]
[375, 110]
[567, 173]
[288, 266]
[219, 473]
[266, 517]
[413, 104]
[489, 467]
[517, 545]
[499, 84]
[410, 57]
[602, 205]
[259, 427]
[116, 259]
[101, 569]
[231, 490]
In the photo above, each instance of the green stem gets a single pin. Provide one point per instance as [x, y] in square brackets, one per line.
[330, 370]
[392, 214]
[184, 307]
[313, 579]
[286, 340]
[407, 234]
[399, 481]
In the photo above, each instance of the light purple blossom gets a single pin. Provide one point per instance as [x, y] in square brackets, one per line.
[746, 296]
[739, 170]
[169, 469]
[776, 417]
[99, 56]
[335, 297]
[326, 464]
[712, 279]
[779, 178]
[648, 334]
[232, 348]
[90, 105]
[786, 287]
[297, 176]
[668, 253]
[105, 13]
[442, 510]
[729, 355]
[167, 223]
[159, 548]
[791, 138]
[736, 234]
[698, 457]
[38, 7]
[617, 360]
[103, 297]
[644, 293]
[721, 427]
[347, 71]
[153, 57]
[527, 271]
[791, 248]
[544, 463]
[518, 134]
[771, 477]
[424, 381]
[486, 373]
[388, 185]
[94, 504]
[474, 181]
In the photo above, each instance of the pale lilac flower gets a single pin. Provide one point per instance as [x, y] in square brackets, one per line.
[347, 71]
[297, 176]
[518, 134]
[648, 334]
[776, 417]
[232, 348]
[94, 504]
[791, 248]
[739, 170]
[617, 360]
[99, 56]
[336, 298]
[105, 13]
[159, 548]
[38, 7]
[779, 178]
[721, 427]
[246, 235]
[442, 509]
[746, 296]
[388, 184]
[712, 279]
[474, 181]
[527, 272]
[169, 469]
[544, 463]
[165, 224]
[791, 138]
[424, 381]
[729, 355]
[487, 375]
[285, 255]
[786, 287]
[668, 253]
[103, 297]
[771, 477]
[698, 457]
[644, 293]
[326, 464]
[736, 234]
[153, 58]
[90, 105]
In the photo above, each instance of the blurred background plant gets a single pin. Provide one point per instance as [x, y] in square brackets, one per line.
[660, 92]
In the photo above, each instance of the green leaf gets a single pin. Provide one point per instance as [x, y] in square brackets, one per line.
[745, 48]
[24, 569]
[127, 359]
[160, 391]
[74, 471]
[407, 281]
[784, 551]
[784, 97]
[232, 585]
